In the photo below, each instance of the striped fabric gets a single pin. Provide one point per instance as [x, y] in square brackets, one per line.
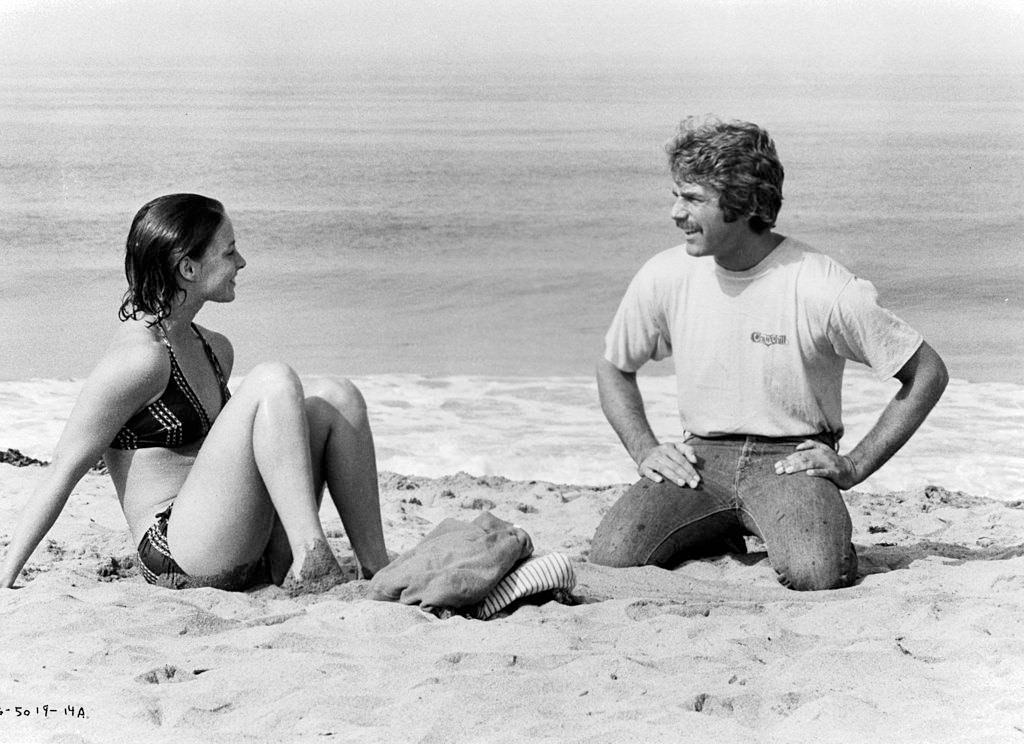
[155, 560]
[532, 576]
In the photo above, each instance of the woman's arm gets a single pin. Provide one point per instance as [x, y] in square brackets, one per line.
[128, 377]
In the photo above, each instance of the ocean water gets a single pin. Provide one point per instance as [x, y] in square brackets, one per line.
[457, 238]
[463, 220]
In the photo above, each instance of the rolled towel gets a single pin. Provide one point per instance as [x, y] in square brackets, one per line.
[534, 575]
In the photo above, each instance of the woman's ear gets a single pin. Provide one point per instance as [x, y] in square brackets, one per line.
[187, 269]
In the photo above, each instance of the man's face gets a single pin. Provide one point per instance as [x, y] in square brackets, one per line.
[697, 213]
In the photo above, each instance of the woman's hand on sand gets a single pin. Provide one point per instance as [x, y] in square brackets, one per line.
[818, 460]
[672, 460]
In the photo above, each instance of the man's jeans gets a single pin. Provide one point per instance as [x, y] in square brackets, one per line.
[802, 519]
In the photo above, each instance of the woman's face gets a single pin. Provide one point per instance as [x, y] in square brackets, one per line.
[213, 275]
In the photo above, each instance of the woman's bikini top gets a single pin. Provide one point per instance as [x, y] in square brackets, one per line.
[177, 418]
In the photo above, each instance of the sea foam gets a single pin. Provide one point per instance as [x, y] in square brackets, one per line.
[552, 429]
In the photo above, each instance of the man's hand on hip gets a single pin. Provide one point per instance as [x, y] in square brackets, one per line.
[673, 461]
[817, 459]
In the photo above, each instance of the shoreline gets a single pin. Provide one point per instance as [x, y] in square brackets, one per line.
[552, 429]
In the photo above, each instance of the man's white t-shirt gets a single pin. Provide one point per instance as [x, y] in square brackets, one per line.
[760, 351]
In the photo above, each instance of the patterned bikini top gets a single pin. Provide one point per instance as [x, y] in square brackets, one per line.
[177, 418]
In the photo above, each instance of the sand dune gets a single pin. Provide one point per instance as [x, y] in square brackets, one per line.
[928, 647]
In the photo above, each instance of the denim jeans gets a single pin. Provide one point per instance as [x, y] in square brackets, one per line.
[801, 519]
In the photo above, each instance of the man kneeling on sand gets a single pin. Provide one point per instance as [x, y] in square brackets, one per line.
[760, 336]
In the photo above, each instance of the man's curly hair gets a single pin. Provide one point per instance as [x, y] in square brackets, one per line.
[737, 160]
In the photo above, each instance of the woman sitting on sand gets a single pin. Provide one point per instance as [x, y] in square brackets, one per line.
[218, 490]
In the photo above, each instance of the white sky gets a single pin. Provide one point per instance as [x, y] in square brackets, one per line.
[871, 34]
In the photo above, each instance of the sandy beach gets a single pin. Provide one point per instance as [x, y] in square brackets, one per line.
[445, 202]
[927, 647]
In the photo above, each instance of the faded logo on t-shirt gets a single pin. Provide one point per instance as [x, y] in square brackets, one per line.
[768, 339]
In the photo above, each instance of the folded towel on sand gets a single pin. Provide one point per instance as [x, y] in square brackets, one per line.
[456, 565]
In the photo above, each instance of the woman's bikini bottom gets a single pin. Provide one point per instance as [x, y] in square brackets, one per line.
[159, 567]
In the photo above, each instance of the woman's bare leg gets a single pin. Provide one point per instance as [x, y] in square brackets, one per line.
[343, 456]
[254, 463]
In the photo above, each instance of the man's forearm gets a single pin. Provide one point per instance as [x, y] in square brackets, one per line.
[623, 406]
[923, 380]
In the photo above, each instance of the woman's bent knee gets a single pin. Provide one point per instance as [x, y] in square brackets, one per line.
[339, 394]
[273, 378]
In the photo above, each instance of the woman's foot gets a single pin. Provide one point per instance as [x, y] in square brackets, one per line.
[368, 573]
[317, 570]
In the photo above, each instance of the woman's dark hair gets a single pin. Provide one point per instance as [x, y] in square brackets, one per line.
[165, 231]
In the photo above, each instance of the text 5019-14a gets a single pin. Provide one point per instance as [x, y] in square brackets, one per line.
[43, 711]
